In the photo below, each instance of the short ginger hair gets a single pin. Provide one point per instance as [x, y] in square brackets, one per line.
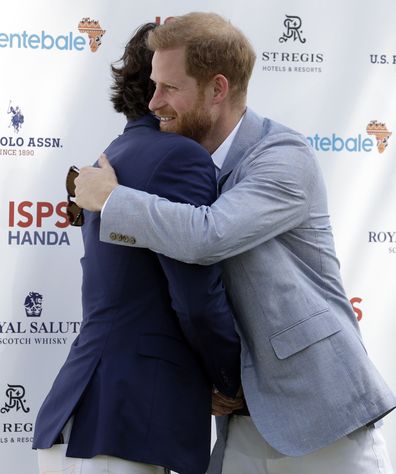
[213, 46]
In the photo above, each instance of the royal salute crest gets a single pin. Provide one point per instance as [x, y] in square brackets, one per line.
[33, 304]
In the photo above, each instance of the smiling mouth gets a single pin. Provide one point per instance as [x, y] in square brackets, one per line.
[164, 119]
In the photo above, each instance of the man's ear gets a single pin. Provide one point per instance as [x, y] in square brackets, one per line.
[220, 88]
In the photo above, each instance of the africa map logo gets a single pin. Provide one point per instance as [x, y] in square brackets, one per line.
[94, 31]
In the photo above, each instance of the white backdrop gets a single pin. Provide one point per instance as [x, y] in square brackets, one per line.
[327, 69]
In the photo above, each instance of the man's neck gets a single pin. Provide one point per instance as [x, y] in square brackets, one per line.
[221, 128]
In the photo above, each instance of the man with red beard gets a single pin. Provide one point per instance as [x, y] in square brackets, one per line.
[313, 397]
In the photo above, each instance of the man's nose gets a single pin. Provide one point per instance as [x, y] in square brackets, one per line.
[156, 101]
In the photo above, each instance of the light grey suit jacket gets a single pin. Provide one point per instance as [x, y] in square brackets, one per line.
[305, 372]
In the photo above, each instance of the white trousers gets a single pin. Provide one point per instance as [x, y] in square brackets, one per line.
[54, 461]
[361, 452]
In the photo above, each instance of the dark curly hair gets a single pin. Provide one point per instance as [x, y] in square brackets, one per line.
[132, 87]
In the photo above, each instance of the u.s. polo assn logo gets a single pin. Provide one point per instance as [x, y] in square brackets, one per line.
[17, 118]
[13, 143]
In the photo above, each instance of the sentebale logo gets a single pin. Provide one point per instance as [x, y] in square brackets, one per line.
[381, 133]
[354, 144]
[94, 31]
[43, 40]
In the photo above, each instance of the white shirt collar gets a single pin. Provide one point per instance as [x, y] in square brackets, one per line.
[219, 155]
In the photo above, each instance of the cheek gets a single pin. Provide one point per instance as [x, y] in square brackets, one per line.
[186, 103]
[186, 107]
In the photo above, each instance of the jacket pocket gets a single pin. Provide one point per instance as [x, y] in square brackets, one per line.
[164, 347]
[304, 333]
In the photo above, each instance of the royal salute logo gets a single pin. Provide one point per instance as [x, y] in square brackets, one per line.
[14, 145]
[380, 132]
[15, 399]
[353, 144]
[33, 304]
[384, 238]
[94, 31]
[32, 330]
[65, 42]
[298, 59]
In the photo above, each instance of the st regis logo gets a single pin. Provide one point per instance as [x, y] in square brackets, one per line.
[293, 30]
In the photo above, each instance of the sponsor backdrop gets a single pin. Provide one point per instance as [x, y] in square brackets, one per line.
[326, 69]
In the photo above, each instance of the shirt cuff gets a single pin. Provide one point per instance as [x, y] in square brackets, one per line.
[104, 205]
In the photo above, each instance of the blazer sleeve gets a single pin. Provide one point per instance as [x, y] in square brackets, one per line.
[186, 174]
[272, 196]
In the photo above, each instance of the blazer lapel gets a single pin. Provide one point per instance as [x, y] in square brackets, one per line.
[250, 132]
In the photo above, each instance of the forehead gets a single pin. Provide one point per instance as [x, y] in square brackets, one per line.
[168, 65]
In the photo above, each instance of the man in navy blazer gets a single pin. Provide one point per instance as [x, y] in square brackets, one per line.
[157, 334]
[313, 395]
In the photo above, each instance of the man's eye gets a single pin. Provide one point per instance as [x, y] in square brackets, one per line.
[169, 87]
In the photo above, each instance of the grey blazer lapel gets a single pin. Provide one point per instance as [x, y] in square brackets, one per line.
[250, 132]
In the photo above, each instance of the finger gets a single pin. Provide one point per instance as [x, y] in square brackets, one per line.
[227, 402]
[216, 413]
[85, 170]
[236, 406]
[223, 397]
[104, 162]
[219, 411]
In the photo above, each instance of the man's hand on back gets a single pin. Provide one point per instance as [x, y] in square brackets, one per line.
[223, 405]
[94, 185]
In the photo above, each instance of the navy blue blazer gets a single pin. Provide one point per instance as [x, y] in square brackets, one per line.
[157, 334]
